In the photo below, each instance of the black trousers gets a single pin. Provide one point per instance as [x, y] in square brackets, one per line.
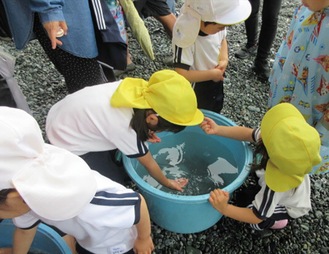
[4, 26]
[78, 72]
[210, 95]
[105, 163]
[6, 97]
[270, 13]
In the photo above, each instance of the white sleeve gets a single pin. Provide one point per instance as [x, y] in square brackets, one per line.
[26, 221]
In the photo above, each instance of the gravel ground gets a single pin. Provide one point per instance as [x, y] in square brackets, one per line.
[245, 103]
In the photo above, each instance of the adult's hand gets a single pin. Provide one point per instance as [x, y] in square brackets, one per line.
[6, 250]
[53, 29]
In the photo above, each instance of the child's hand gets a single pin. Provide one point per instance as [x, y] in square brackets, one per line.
[209, 126]
[153, 138]
[222, 65]
[219, 199]
[178, 184]
[143, 246]
[217, 74]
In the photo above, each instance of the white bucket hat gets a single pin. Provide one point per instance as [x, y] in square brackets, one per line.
[225, 12]
[53, 182]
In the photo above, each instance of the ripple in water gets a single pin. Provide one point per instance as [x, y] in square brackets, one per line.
[207, 164]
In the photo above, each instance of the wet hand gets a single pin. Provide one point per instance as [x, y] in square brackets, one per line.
[178, 184]
[219, 199]
[153, 138]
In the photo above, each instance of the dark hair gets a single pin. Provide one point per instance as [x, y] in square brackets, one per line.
[206, 23]
[3, 194]
[260, 156]
[142, 129]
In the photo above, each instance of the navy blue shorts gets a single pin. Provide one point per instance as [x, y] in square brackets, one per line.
[152, 8]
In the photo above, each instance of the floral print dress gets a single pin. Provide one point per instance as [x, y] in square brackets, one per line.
[300, 73]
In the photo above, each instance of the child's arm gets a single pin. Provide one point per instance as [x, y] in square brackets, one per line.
[200, 76]
[235, 132]
[223, 56]
[155, 171]
[143, 243]
[219, 200]
[23, 239]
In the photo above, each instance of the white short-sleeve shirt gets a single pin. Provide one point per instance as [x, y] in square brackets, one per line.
[202, 55]
[105, 224]
[85, 122]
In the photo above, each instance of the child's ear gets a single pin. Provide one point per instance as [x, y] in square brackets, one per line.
[152, 119]
[13, 194]
[13, 206]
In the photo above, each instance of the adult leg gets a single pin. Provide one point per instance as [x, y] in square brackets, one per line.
[6, 97]
[271, 9]
[251, 25]
[78, 72]
[270, 13]
[4, 26]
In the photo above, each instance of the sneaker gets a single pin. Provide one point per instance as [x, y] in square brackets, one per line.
[246, 52]
[261, 69]
[5, 38]
[130, 67]
[168, 60]
[280, 224]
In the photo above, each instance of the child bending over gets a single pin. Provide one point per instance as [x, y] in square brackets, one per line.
[43, 183]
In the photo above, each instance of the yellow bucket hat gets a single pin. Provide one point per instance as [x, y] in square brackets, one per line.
[292, 144]
[167, 92]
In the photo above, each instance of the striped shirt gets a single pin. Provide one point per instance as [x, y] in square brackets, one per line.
[296, 202]
[105, 225]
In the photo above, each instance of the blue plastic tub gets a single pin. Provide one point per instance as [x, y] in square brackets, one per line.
[190, 213]
[46, 241]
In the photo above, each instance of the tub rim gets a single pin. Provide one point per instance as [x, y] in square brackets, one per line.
[146, 187]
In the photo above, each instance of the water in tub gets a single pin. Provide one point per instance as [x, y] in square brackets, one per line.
[206, 163]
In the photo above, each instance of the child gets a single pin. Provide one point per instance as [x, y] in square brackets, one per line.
[287, 149]
[200, 46]
[40, 182]
[300, 73]
[124, 115]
